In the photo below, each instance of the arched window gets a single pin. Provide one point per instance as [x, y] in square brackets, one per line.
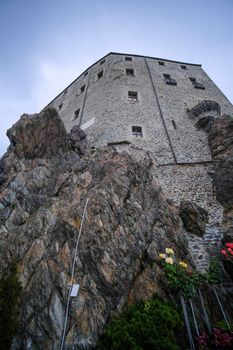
[204, 114]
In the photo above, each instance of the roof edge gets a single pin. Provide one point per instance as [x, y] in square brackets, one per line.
[124, 54]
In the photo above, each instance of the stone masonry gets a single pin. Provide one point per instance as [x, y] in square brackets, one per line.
[167, 102]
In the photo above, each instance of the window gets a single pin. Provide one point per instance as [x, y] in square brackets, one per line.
[161, 63]
[65, 92]
[183, 66]
[174, 124]
[85, 74]
[137, 131]
[82, 89]
[60, 106]
[196, 84]
[169, 80]
[102, 62]
[130, 72]
[132, 96]
[76, 114]
[100, 74]
[127, 58]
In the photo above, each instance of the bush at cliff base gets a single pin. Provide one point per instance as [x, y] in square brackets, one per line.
[144, 326]
[10, 291]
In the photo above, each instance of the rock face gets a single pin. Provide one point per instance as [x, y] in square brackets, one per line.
[221, 137]
[194, 217]
[221, 144]
[38, 135]
[46, 179]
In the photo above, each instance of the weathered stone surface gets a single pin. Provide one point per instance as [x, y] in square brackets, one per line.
[38, 135]
[77, 140]
[221, 137]
[128, 222]
[194, 217]
[223, 182]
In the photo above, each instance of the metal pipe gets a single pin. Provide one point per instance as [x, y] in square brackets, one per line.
[72, 276]
[205, 312]
[221, 307]
[194, 317]
[186, 320]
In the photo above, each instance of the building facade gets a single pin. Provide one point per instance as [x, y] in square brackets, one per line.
[161, 106]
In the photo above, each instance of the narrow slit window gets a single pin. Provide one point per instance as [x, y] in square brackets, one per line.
[102, 62]
[85, 74]
[65, 92]
[127, 58]
[130, 72]
[100, 74]
[132, 96]
[161, 63]
[82, 89]
[174, 124]
[60, 106]
[76, 114]
[137, 131]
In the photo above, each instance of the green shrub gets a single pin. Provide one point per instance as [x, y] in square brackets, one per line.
[10, 291]
[145, 325]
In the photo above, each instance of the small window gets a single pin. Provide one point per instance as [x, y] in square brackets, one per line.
[127, 58]
[100, 74]
[183, 66]
[102, 62]
[161, 63]
[85, 74]
[129, 72]
[169, 80]
[65, 92]
[60, 106]
[82, 89]
[196, 84]
[132, 96]
[174, 124]
[76, 114]
[137, 131]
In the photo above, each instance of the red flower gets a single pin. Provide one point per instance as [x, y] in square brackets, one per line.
[223, 251]
[229, 245]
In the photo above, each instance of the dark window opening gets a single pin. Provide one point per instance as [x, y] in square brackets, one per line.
[130, 72]
[82, 89]
[174, 124]
[127, 58]
[183, 66]
[76, 114]
[100, 74]
[102, 62]
[60, 106]
[132, 95]
[65, 92]
[196, 84]
[137, 131]
[161, 63]
[85, 74]
[169, 80]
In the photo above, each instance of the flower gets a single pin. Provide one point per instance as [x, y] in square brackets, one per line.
[229, 249]
[169, 260]
[162, 256]
[223, 251]
[229, 245]
[169, 251]
[183, 264]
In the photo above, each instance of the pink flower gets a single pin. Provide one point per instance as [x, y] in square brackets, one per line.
[223, 251]
[229, 249]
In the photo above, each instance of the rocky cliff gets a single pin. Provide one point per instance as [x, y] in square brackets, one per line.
[46, 177]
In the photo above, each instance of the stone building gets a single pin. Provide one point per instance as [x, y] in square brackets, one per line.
[162, 106]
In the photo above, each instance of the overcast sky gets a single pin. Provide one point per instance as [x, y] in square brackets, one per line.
[45, 44]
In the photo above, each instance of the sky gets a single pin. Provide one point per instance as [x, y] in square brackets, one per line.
[45, 44]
